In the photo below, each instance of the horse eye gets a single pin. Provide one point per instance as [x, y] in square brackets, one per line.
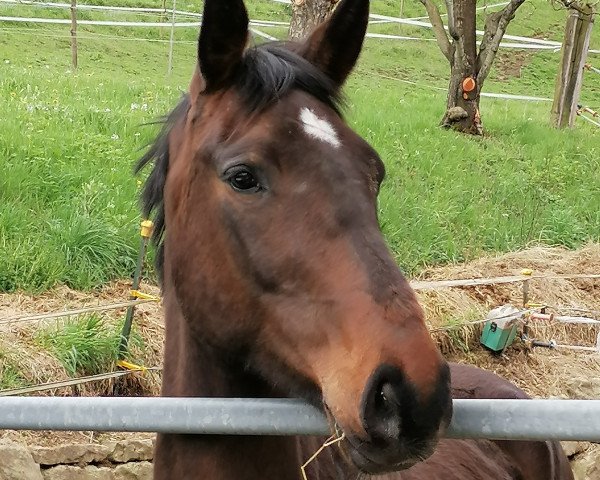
[243, 180]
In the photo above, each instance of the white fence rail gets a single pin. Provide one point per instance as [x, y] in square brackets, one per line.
[522, 43]
[495, 419]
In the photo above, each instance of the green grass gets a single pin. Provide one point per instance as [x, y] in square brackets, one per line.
[450, 197]
[68, 142]
[10, 374]
[87, 345]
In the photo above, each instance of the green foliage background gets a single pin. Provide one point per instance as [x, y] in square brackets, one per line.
[69, 140]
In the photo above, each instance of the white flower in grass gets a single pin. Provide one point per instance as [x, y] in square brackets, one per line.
[144, 106]
[135, 106]
[114, 136]
[7, 61]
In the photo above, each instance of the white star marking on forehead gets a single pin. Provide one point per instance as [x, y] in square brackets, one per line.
[318, 128]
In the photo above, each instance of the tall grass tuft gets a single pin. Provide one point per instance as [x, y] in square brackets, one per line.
[85, 346]
[10, 374]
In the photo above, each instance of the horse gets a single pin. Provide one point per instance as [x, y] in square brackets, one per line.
[275, 276]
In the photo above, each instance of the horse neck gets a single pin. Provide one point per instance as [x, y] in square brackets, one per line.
[194, 370]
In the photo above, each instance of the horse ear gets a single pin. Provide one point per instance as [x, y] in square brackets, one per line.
[222, 41]
[335, 45]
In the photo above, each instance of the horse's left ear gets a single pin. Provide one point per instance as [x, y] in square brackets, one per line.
[223, 38]
[335, 45]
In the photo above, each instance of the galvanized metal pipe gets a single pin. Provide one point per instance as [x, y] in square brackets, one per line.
[497, 419]
[527, 419]
[166, 415]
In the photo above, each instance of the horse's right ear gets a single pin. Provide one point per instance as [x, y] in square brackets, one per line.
[222, 41]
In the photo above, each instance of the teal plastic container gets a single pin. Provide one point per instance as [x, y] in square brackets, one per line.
[497, 338]
[500, 329]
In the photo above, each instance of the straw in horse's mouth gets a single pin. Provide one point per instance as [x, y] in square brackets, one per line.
[338, 436]
[335, 438]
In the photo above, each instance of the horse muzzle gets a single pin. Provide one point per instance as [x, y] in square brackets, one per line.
[401, 426]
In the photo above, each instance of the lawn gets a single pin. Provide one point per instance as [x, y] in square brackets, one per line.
[69, 140]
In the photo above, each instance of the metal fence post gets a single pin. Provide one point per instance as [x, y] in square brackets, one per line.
[145, 233]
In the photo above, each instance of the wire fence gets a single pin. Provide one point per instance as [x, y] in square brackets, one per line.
[42, 387]
[524, 42]
[582, 110]
[70, 313]
[519, 42]
[91, 36]
[416, 285]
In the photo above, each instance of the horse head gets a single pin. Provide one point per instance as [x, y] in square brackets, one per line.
[272, 246]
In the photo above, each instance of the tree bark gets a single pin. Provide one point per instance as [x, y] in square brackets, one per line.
[307, 15]
[468, 68]
[462, 106]
[438, 28]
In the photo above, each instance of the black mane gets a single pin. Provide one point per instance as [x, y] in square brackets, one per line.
[265, 75]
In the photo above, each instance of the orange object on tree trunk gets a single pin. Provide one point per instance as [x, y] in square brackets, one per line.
[468, 84]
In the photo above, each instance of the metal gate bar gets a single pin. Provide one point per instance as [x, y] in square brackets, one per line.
[496, 419]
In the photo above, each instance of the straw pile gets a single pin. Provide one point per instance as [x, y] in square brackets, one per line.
[539, 372]
[36, 365]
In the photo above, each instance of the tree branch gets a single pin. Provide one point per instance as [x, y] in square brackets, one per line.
[491, 25]
[438, 28]
[451, 19]
[495, 27]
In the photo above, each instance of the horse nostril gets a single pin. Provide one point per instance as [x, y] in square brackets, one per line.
[382, 406]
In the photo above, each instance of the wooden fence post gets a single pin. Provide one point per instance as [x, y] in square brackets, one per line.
[74, 33]
[574, 51]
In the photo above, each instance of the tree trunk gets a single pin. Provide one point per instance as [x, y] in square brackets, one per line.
[462, 111]
[307, 15]
[468, 68]
[462, 108]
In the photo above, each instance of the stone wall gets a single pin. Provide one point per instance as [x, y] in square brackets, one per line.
[124, 460]
[131, 460]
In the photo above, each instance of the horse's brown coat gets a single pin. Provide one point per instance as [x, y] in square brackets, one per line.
[287, 287]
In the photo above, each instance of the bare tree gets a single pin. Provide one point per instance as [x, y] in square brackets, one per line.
[307, 14]
[469, 67]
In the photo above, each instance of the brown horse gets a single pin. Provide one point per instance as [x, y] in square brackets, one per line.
[275, 275]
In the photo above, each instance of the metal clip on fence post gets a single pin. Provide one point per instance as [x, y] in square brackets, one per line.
[145, 233]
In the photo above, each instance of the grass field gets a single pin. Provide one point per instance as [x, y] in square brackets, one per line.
[68, 141]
